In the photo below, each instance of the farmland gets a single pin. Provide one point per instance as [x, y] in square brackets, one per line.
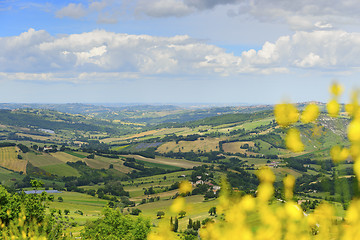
[9, 159]
[181, 163]
[141, 168]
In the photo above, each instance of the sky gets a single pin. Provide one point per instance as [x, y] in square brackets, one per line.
[177, 51]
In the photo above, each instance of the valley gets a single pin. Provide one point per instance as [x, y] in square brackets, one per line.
[133, 158]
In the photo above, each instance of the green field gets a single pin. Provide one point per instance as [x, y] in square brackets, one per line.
[9, 159]
[90, 206]
[159, 165]
[182, 163]
[62, 170]
[196, 209]
[7, 177]
[79, 155]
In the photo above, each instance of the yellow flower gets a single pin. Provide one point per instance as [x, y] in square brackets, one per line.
[266, 175]
[355, 150]
[163, 233]
[177, 205]
[350, 108]
[357, 169]
[293, 210]
[339, 154]
[248, 203]
[333, 108]
[336, 89]
[185, 187]
[286, 114]
[354, 131]
[293, 140]
[289, 182]
[265, 191]
[310, 113]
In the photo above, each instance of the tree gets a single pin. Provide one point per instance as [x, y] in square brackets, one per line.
[196, 225]
[176, 224]
[190, 224]
[66, 211]
[212, 211]
[60, 199]
[171, 224]
[114, 225]
[160, 214]
[135, 211]
[182, 213]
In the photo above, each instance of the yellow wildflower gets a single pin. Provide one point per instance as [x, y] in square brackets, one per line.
[177, 205]
[357, 169]
[185, 187]
[293, 140]
[293, 210]
[355, 150]
[289, 182]
[333, 108]
[286, 114]
[266, 175]
[310, 113]
[354, 131]
[339, 154]
[336, 89]
[248, 203]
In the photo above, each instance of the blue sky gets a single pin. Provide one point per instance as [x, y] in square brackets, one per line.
[177, 51]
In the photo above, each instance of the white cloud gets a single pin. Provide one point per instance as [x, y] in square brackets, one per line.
[115, 56]
[299, 14]
[164, 8]
[72, 11]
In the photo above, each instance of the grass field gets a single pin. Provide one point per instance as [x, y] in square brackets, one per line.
[89, 205]
[42, 159]
[65, 157]
[9, 159]
[7, 177]
[196, 209]
[62, 170]
[79, 155]
[182, 163]
[234, 147]
[159, 165]
[206, 145]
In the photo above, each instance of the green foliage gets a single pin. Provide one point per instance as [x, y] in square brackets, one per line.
[212, 211]
[176, 225]
[160, 214]
[7, 144]
[20, 212]
[135, 211]
[114, 225]
[182, 213]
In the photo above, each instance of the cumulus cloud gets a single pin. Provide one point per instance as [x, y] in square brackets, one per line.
[107, 11]
[101, 55]
[72, 11]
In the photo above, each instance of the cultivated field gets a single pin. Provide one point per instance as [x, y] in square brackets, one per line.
[234, 147]
[43, 159]
[206, 145]
[66, 157]
[182, 163]
[62, 170]
[9, 159]
[54, 163]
